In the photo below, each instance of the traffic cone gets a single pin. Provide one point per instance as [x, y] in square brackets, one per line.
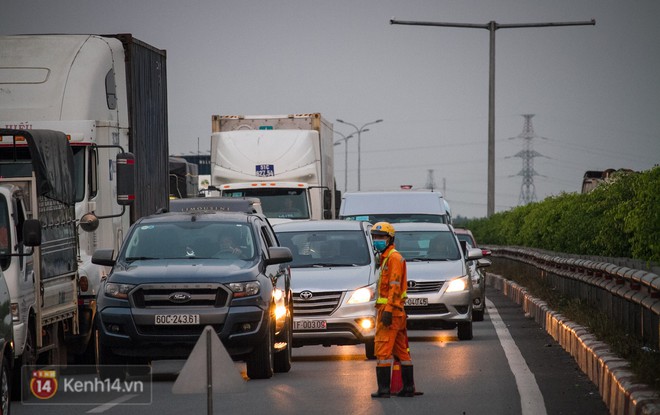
[396, 383]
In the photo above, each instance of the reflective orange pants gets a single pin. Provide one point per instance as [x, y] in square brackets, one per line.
[391, 341]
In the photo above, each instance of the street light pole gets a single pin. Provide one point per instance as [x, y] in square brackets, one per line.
[492, 27]
[345, 140]
[359, 131]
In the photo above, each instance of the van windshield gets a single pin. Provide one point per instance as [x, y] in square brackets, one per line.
[399, 218]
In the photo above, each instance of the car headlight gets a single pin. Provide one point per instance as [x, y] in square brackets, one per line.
[244, 289]
[118, 290]
[363, 295]
[459, 284]
[280, 305]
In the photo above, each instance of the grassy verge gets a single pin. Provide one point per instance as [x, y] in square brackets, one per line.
[644, 362]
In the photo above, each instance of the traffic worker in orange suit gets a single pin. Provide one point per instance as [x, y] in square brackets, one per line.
[391, 339]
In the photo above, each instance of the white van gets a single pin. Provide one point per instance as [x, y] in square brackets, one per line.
[395, 207]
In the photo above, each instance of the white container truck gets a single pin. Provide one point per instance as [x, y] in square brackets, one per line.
[108, 95]
[284, 160]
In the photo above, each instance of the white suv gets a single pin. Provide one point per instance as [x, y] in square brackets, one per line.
[333, 278]
[439, 279]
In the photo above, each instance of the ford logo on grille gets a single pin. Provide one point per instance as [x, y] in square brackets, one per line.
[306, 295]
[179, 297]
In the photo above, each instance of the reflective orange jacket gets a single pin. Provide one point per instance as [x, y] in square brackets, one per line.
[392, 282]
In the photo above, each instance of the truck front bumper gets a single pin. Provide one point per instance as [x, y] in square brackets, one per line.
[134, 333]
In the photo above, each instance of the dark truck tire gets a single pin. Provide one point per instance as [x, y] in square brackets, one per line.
[260, 363]
[29, 358]
[5, 387]
[109, 365]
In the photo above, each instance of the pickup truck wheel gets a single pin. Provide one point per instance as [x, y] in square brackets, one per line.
[260, 363]
[465, 330]
[283, 356]
[88, 357]
[109, 365]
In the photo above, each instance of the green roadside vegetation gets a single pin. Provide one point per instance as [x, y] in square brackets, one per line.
[619, 218]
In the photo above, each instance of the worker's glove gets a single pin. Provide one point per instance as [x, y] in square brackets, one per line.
[386, 318]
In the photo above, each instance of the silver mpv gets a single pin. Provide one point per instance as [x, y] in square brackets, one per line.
[439, 279]
[333, 279]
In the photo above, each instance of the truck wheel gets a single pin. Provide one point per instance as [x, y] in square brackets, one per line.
[260, 362]
[109, 365]
[28, 358]
[370, 349]
[465, 330]
[5, 387]
[283, 356]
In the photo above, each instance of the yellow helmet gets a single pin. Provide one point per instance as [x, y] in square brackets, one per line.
[383, 228]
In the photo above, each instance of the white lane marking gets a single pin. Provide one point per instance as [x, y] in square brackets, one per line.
[531, 399]
[111, 404]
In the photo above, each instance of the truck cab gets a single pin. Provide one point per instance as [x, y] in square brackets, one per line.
[284, 160]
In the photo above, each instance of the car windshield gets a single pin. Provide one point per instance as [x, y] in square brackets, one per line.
[326, 248]
[427, 245]
[177, 240]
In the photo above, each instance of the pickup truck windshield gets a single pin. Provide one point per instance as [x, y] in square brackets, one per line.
[194, 240]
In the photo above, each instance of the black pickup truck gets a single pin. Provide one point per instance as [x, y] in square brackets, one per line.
[177, 273]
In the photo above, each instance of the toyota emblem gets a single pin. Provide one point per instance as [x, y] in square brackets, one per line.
[306, 295]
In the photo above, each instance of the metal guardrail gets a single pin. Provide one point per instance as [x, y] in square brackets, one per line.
[630, 296]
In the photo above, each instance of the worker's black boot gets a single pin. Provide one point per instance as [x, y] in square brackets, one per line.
[408, 390]
[383, 377]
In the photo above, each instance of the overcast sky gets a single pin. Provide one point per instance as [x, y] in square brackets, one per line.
[594, 90]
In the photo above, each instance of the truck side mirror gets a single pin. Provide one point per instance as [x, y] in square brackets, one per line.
[32, 232]
[89, 222]
[327, 199]
[327, 204]
[125, 179]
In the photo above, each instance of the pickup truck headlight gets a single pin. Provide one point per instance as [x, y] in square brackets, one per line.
[459, 284]
[244, 289]
[118, 290]
[363, 295]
